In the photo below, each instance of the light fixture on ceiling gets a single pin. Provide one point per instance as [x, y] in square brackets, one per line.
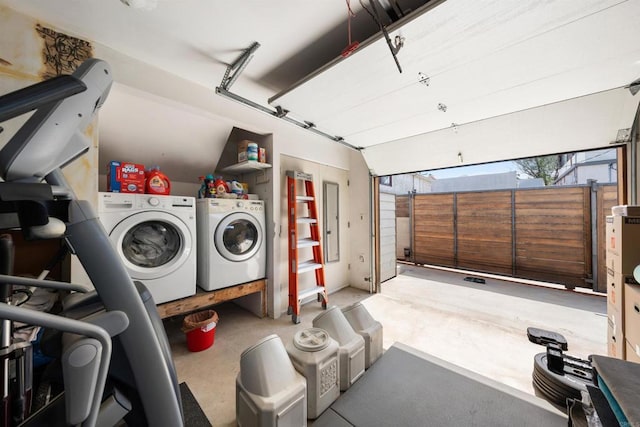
[141, 4]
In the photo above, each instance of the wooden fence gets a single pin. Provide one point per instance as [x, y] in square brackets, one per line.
[546, 234]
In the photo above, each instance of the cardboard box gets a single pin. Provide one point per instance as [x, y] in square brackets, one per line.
[632, 353]
[242, 150]
[124, 177]
[615, 343]
[615, 318]
[625, 210]
[632, 313]
[615, 332]
[615, 289]
[623, 243]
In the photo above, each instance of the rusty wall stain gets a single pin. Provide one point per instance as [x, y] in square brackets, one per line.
[61, 53]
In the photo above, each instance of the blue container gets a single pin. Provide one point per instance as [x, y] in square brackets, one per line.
[252, 151]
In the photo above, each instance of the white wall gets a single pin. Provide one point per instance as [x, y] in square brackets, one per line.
[603, 173]
[408, 182]
[360, 256]
[403, 236]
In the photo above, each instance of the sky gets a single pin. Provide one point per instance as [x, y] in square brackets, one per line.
[497, 167]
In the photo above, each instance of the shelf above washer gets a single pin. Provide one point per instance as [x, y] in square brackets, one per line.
[246, 166]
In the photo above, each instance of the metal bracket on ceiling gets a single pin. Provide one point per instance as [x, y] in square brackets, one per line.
[236, 68]
[399, 40]
[634, 87]
[280, 112]
[233, 71]
[623, 136]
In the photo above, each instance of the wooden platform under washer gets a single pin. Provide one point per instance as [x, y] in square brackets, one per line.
[204, 299]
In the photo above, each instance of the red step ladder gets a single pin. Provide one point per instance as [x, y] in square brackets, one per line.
[300, 182]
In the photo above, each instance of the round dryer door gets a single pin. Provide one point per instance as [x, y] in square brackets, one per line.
[238, 236]
[152, 244]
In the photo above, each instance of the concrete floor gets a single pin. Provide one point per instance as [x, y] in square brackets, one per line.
[481, 327]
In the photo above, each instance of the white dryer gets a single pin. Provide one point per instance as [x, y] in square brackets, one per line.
[155, 237]
[231, 242]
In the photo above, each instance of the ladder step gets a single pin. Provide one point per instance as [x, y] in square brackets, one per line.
[300, 175]
[306, 220]
[306, 293]
[310, 265]
[304, 198]
[307, 243]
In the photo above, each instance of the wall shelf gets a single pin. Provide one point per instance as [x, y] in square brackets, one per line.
[246, 166]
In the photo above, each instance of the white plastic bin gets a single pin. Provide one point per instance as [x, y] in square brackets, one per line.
[269, 391]
[315, 355]
[368, 328]
[351, 345]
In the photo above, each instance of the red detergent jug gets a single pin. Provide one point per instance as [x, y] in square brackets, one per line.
[157, 182]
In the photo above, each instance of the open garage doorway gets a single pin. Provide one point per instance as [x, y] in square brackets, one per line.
[504, 219]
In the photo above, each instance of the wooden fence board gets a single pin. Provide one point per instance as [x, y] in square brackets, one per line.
[484, 224]
[402, 206]
[434, 229]
[548, 195]
[563, 253]
[540, 220]
[552, 236]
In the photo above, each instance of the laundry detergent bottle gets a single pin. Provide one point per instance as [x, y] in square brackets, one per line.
[157, 182]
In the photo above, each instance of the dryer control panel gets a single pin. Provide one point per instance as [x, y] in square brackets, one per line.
[232, 205]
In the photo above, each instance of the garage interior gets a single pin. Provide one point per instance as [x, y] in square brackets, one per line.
[345, 94]
[479, 327]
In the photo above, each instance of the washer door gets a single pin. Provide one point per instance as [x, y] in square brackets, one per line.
[238, 236]
[152, 244]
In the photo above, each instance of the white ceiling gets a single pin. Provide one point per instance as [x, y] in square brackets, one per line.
[484, 59]
[197, 39]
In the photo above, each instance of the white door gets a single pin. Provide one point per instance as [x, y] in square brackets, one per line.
[387, 235]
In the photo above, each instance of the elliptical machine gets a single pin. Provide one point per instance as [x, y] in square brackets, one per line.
[114, 354]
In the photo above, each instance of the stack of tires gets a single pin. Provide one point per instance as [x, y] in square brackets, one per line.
[557, 376]
[557, 387]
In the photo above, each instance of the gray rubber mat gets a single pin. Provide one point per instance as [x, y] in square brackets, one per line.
[330, 418]
[406, 387]
[622, 380]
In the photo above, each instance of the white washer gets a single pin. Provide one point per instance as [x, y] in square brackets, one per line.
[231, 242]
[155, 237]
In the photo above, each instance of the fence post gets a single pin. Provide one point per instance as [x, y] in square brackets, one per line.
[455, 230]
[513, 233]
[412, 234]
[593, 211]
